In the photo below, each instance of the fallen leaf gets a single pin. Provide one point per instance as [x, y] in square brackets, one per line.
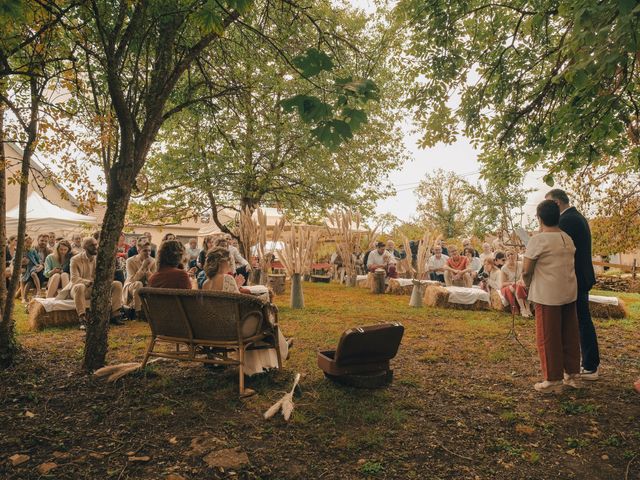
[29, 414]
[18, 459]
[45, 468]
[130, 454]
[204, 444]
[605, 457]
[173, 440]
[96, 455]
[60, 455]
[140, 459]
[524, 429]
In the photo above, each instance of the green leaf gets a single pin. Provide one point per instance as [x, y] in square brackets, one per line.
[354, 117]
[548, 179]
[241, 6]
[311, 109]
[312, 62]
[210, 19]
[342, 128]
[626, 6]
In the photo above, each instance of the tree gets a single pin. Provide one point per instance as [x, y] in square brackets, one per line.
[243, 150]
[543, 83]
[444, 203]
[610, 197]
[142, 54]
[31, 57]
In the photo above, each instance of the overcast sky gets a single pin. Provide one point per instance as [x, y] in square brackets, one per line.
[459, 157]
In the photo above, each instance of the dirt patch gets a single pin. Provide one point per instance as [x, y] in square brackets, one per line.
[461, 405]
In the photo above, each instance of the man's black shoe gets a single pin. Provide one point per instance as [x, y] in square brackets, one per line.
[116, 321]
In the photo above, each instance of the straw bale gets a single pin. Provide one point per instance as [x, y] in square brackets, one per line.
[436, 296]
[496, 302]
[39, 318]
[396, 289]
[366, 283]
[602, 310]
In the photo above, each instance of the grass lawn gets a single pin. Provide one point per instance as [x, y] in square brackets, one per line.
[461, 405]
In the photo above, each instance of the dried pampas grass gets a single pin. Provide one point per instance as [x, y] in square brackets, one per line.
[298, 252]
[285, 403]
[115, 372]
[345, 225]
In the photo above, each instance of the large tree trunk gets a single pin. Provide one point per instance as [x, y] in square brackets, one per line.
[118, 193]
[8, 344]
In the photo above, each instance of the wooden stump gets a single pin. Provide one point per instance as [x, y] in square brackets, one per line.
[276, 283]
[378, 286]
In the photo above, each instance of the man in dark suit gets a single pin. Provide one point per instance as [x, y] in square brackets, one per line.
[576, 226]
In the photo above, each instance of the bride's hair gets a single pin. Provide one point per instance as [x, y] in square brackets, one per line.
[215, 257]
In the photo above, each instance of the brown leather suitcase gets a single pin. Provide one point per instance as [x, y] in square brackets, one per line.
[362, 356]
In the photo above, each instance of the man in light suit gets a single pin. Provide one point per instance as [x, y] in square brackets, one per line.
[576, 226]
[83, 272]
[139, 268]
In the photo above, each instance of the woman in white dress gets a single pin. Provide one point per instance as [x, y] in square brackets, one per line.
[216, 266]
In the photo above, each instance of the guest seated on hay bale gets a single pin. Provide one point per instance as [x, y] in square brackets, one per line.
[499, 259]
[491, 276]
[466, 243]
[169, 273]
[83, 272]
[486, 252]
[549, 272]
[216, 267]
[513, 287]
[140, 267]
[456, 270]
[474, 263]
[76, 243]
[436, 263]
[381, 258]
[57, 267]
[34, 273]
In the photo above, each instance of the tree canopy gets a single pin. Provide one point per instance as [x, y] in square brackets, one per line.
[545, 83]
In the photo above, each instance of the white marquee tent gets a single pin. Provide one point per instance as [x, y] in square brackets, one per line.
[43, 216]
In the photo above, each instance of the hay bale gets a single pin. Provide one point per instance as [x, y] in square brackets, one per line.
[365, 281]
[39, 318]
[497, 304]
[397, 288]
[604, 310]
[438, 296]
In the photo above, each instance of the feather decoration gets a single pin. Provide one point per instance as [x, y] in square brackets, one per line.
[285, 403]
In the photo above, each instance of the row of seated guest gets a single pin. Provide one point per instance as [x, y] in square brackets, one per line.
[495, 272]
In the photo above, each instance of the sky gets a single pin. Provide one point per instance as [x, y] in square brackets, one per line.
[459, 157]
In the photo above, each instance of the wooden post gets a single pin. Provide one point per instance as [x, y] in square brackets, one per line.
[379, 277]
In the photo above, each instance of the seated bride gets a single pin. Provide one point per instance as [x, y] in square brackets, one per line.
[217, 268]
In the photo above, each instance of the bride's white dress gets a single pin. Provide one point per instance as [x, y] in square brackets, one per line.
[257, 361]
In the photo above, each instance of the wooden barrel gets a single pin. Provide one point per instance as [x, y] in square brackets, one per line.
[378, 285]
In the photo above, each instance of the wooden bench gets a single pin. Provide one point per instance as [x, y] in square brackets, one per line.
[211, 325]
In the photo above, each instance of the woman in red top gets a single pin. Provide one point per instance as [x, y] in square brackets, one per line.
[170, 273]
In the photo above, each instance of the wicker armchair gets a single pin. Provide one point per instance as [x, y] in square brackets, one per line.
[210, 325]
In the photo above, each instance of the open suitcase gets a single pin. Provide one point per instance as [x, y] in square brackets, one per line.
[362, 356]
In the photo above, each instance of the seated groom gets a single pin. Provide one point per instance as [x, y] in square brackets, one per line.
[381, 258]
[83, 272]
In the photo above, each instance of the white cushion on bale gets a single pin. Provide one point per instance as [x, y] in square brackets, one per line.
[467, 296]
[604, 300]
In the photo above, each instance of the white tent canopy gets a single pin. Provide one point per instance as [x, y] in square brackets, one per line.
[43, 216]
